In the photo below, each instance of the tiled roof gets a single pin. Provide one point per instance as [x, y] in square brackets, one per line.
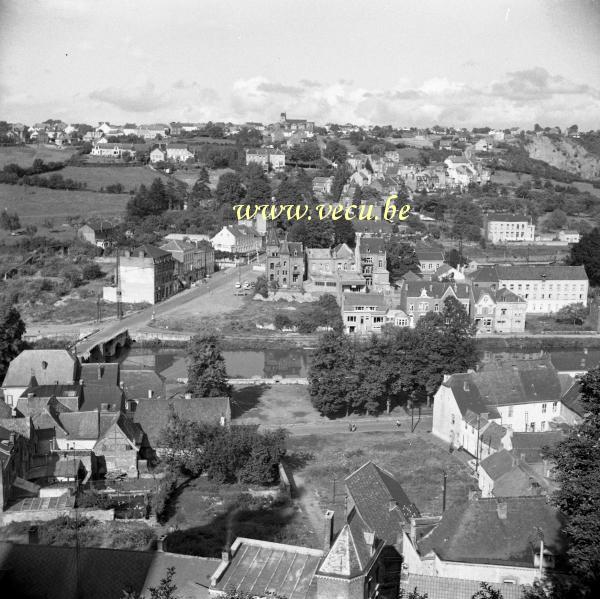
[493, 434]
[46, 365]
[466, 394]
[498, 464]
[474, 532]
[529, 446]
[80, 425]
[372, 245]
[380, 500]
[18, 425]
[430, 254]
[438, 587]
[150, 250]
[485, 274]
[318, 253]
[72, 390]
[100, 372]
[153, 414]
[260, 567]
[568, 361]
[95, 395]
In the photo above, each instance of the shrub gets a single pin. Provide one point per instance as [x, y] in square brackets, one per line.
[282, 321]
[92, 271]
[160, 501]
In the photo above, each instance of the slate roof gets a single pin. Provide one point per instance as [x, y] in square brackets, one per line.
[509, 218]
[572, 400]
[18, 425]
[136, 384]
[438, 587]
[573, 360]
[101, 386]
[467, 395]
[318, 253]
[46, 365]
[351, 300]
[153, 414]
[434, 289]
[473, 532]
[100, 372]
[372, 245]
[485, 274]
[380, 500]
[151, 251]
[80, 425]
[99, 225]
[259, 567]
[432, 254]
[529, 446]
[493, 434]
[72, 390]
[498, 464]
[49, 572]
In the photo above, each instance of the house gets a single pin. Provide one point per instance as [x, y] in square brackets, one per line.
[43, 366]
[502, 228]
[158, 155]
[187, 261]
[152, 415]
[100, 387]
[55, 571]
[417, 298]
[268, 158]
[484, 145]
[106, 129]
[98, 232]
[435, 587]
[16, 452]
[493, 540]
[291, 126]
[447, 273]
[430, 259]
[146, 274]
[333, 270]
[546, 289]
[138, 384]
[322, 185]
[152, 131]
[519, 395]
[68, 396]
[371, 261]
[237, 239]
[572, 407]
[284, 262]
[363, 313]
[108, 150]
[500, 311]
[569, 236]
[179, 153]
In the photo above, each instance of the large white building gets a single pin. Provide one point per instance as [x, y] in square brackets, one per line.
[237, 239]
[509, 227]
[546, 289]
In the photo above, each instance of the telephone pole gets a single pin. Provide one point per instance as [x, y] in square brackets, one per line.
[118, 283]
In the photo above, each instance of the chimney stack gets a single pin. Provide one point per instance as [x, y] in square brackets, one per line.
[502, 509]
[466, 385]
[370, 541]
[226, 555]
[160, 543]
[149, 393]
[99, 372]
[328, 536]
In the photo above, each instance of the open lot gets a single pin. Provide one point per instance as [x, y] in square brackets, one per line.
[417, 461]
[207, 516]
[36, 204]
[96, 177]
[25, 155]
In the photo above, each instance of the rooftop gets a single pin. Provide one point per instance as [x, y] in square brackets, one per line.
[438, 587]
[48, 366]
[509, 218]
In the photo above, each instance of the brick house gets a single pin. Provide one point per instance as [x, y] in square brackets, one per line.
[285, 262]
[371, 256]
[500, 311]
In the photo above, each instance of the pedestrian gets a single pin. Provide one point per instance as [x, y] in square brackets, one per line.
[398, 423]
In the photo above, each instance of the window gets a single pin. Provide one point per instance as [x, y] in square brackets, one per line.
[452, 418]
[554, 406]
[543, 408]
[510, 411]
[411, 308]
[436, 308]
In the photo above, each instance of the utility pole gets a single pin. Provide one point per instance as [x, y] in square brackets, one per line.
[477, 448]
[118, 282]
[444, 491]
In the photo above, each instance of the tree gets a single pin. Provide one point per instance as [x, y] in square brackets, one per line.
[336, 151]
[487, 592]
[573, 313]
[207, 376]
[203, 175]
[576, 460]
[261, 286]
[330, 375]
[454, 259]
[556, 220]
[282, 321]
[343, 232]
[9, 220]
[314, 234]
[468, 220]
[200, 192]
[258, 189]
[587, 252]
[148, 201]
[401, 258]
[12, 329]
[229, 189]
[414, 594]
[166, 589]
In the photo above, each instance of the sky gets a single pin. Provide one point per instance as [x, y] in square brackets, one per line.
[462, 63]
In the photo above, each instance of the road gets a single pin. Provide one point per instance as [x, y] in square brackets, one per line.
[141, 319]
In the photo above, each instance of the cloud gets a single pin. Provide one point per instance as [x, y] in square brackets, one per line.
[279, 88]
[137, 99]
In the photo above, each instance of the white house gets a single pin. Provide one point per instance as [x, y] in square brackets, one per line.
[509, 227]
[107, 150]
[237, 239]
[158, 155]
[178, 152]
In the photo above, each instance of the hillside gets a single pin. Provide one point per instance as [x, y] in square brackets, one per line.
[564, 154]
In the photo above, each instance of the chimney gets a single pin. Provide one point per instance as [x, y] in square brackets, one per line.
[99, 372]
[502, 509]
[466, 385]
[328, 532]
[32, 535]
[226, 555]
[12, 437]
[141, 254]
[150, 393]
[160, 543]
[446, 378]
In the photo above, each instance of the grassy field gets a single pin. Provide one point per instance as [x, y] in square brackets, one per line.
[130, 177]
[417, 461]
[25, 155]
[207, 516]
[36, 204]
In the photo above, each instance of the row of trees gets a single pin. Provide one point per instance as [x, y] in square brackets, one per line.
[348, 376]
